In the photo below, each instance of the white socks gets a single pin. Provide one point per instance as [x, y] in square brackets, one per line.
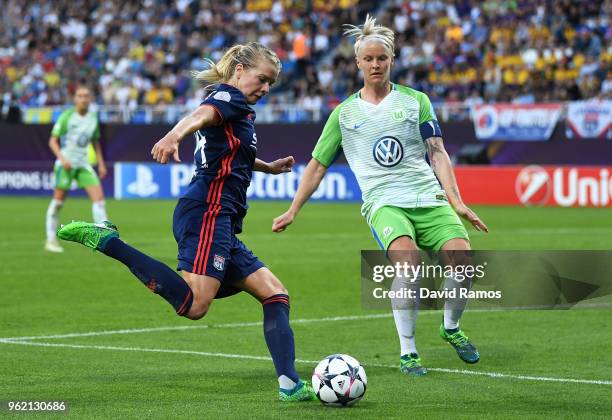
[405, 313]
[98, 210]
[453, 308]
[405, 323]
[52, 221]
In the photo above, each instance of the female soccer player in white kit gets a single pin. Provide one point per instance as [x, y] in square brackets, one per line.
[385, 130]
[75, 129]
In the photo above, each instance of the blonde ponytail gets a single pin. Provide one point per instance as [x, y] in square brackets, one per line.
[370, 31]
[247, 55]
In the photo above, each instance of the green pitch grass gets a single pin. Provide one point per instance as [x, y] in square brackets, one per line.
[213, 370]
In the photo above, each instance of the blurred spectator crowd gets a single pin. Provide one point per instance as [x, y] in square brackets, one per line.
[521, 51]
[142, 52]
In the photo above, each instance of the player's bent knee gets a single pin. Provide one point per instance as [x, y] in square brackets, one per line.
[280, 289]
[456, 244]
[275, 288]
[59, 195]
[97, 196]
[197, 311]
[456, 252]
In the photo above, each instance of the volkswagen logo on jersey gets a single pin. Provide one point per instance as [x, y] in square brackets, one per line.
[388, 151]
[399, 115]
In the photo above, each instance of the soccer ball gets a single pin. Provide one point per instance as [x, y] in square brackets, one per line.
[339, 380]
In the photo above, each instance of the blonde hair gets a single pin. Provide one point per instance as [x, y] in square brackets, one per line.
[247, 55]
[370, 31]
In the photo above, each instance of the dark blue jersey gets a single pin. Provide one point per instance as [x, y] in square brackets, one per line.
[225, 155]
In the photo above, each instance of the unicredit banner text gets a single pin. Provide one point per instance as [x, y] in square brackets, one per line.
[559, 186]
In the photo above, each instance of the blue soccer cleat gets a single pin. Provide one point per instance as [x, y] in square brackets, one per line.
[460, 342]
[410, 364]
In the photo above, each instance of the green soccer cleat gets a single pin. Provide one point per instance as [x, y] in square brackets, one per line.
[466, 350]
[410, 364]
[92, 235]
[301, 392]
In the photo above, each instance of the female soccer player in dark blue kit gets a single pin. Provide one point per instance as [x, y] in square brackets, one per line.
[213, 261]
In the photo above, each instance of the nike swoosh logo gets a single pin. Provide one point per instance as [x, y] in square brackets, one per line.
[359, 125]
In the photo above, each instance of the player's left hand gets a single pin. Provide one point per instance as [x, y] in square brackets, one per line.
[166, 147]
[280, 223]
[467, 213]
[102, 171]
[280, 166]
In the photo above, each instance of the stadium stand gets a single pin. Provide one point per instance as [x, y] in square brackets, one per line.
[465, 52]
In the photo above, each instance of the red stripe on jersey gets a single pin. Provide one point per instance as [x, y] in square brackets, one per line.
[204, 246]
[215, 193]
[203, 235]
[225, 169]
[204, 261]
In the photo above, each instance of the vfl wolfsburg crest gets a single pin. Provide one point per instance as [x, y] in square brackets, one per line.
[388, 151]
[398, 115]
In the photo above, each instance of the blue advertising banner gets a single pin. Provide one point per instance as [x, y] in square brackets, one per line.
[515, 122]
[135, 180]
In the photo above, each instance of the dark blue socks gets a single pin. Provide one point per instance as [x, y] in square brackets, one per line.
[279, 338]
[158, 277]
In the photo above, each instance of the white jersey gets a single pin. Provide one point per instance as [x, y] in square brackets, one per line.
[75, 132]
[384, 148]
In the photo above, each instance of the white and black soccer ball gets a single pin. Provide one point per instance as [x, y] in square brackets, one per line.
[339, 380]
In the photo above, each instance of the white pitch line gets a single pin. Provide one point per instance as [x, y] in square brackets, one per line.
[495, 375]
[257, 323]
[197, 327]
[524, 377]
[148, 350]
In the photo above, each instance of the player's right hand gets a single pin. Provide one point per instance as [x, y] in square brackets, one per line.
[166, 147]
[102, 171]
[469, 215]
[66, 165]
[281, 222]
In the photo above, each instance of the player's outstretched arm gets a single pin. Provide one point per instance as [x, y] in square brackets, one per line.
[203, 116]
[313, 174]
[276, 167]
[441, 164]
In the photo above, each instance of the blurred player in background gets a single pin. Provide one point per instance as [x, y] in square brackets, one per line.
[385, 130]
[72, 134]
[213, 261]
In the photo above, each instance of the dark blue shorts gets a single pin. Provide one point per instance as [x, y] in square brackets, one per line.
[208, 246]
